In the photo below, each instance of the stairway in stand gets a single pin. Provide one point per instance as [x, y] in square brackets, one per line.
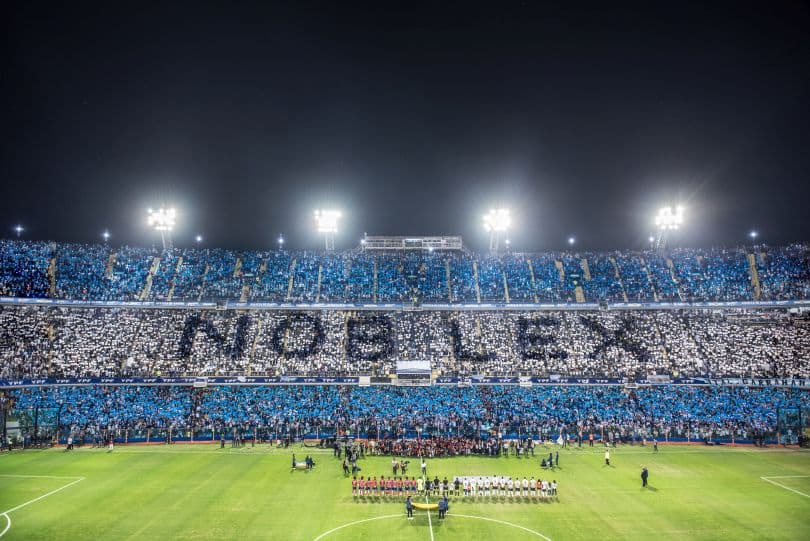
[475, 279]
[671, 267]
[52, 277]
[320, 278]
[534, 283]
[447, 275]
[170, 295]
[374, 282]
[291, 279]
[752, 271]
[147, 287]
[505, 287]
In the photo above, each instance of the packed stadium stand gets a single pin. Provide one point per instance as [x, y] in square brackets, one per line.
[71, 342]
[684, 343]
[99, 272]
[667, 412]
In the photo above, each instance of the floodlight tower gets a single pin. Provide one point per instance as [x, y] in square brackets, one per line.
[496, 221]
[667, 220]
[326, 222]
[163, 220]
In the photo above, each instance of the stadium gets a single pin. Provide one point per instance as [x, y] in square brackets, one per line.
[338, 271]
[411, 349]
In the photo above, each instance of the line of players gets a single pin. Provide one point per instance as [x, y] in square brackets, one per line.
[469, 487]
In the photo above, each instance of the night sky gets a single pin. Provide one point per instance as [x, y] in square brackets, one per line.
[412, 119]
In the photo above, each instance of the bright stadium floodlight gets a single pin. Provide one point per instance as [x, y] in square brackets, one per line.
[280, 241]
[753, 235]
[106, 235]
[198, 239]
[572, 241]
[326, 222]
[163, 220]
[668, 220]
[497, 221]
[18, 229]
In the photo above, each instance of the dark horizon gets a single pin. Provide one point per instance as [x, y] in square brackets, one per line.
[413, 120]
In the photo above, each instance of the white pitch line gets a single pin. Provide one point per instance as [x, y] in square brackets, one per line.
[538, 534]
[800, 493]
[324, 534]
[41, 476]
[430, 522]
[29, 502]
[512, 524]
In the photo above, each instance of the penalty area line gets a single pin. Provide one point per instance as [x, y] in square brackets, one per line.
[29, 502]
[799, 492]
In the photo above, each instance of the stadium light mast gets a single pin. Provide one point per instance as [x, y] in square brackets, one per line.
[496, 222]
[326, 222]
[163, 221]
[667, 220]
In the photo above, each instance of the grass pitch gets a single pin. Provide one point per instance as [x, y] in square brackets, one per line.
[201, 492]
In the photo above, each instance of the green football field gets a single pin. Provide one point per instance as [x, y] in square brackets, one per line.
[202, 492]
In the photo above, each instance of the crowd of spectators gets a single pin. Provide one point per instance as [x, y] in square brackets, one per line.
[24, 268]
[107, 342]
[468, 420]
[101, 272]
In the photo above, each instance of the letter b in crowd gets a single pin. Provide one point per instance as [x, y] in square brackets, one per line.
[369, 338]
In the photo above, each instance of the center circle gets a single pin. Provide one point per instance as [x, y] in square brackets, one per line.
[400, 515]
